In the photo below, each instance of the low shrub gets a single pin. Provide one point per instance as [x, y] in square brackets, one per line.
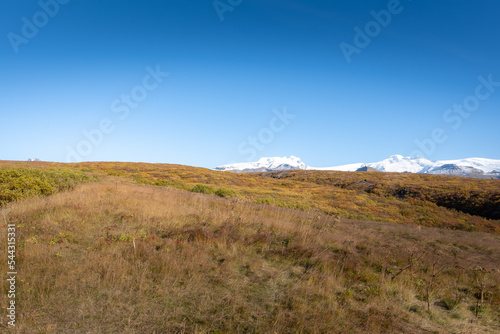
[225, 193]
[19, 183]
[203, 189]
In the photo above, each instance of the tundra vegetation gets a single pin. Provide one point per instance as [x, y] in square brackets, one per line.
[155, 248]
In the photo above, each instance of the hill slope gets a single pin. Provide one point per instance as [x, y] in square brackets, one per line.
[428, 200]
[115, 256]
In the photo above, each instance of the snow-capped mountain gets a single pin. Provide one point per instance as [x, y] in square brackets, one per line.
[396, 164]
[265, 165]
[472, 167]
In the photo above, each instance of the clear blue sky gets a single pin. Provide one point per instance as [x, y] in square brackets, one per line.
[227, 76]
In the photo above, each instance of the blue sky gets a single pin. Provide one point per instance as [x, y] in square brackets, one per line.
[228, 79]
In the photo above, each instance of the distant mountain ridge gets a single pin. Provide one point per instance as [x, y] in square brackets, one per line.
[265, 165]
[471, 167]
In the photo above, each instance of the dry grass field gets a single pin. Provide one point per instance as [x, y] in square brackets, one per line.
[427, 200]
[120, 252]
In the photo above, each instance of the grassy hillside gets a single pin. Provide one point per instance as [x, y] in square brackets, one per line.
[173, 249]
[203, 264]
[427, 200]
[427, 196]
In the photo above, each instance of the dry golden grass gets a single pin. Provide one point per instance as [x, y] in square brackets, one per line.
[204, 264]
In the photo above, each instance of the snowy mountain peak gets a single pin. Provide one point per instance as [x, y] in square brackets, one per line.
[266, 164]
[274, 161]
[400, 164]
[397, 157]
